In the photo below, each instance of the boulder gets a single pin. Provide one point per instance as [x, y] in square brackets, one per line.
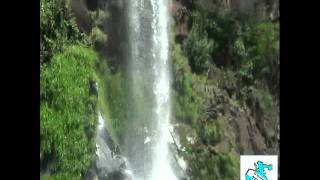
[93, 89]
[108, 164]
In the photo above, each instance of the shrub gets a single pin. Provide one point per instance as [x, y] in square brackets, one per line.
[113, 100]
[229, 167]
[185, 101]
[262, 62]
[229, 39]
[117, 99]
[99, 17]
[206, 165]
[214, 35]
[98, 37]
[65, 112]
[198, 48]
[57, 28]
[268, 105]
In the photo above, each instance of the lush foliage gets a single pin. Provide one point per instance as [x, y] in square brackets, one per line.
[98, 37]
[113, 99]
[57, 28]
[262, 59]
[68, 113]
[185, 101]
[229, 61]
[229, 39]
[189, 108]
[210, 165]
[217, 30]
[198, 49]
[118, 100]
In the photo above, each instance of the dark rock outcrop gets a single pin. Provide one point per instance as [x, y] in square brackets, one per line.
[80, 11]
[93, 88]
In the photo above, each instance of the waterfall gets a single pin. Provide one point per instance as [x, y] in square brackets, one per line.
[161, 168]
[149, 75]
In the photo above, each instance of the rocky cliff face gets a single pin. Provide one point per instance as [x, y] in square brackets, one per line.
[264, 9]
[261, 8]
[243, 127]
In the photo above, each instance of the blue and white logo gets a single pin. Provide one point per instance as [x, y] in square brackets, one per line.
[256, 167]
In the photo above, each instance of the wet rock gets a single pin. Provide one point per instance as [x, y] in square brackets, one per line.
[107, 164]
[183, 135]
[115, 170]
[93, 89]
[91, 175]
[111, 167]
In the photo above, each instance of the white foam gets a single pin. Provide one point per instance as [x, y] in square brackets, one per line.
[146, 140]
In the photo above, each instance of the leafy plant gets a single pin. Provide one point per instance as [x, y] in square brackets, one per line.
[198, 48]
[262, 62]
[185, 101]
[67, 111]
[114, 100]
[98, 37]
[116, 96]
[57, 28]
[207, 165]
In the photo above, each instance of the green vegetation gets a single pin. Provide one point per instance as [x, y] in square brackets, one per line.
[214, 166]
[57, 28]
[213, 131]
[224, 71]
[185, 101]
[231, 40]
[262, 59]
[68, 113]
[198, 49]
[113, 100]
[98, 37]
[218, 26]
[228, 63]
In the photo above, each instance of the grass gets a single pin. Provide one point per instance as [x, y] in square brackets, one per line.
[67, 112]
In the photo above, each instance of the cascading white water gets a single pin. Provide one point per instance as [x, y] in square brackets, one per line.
[150, 75]
[161, 168]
